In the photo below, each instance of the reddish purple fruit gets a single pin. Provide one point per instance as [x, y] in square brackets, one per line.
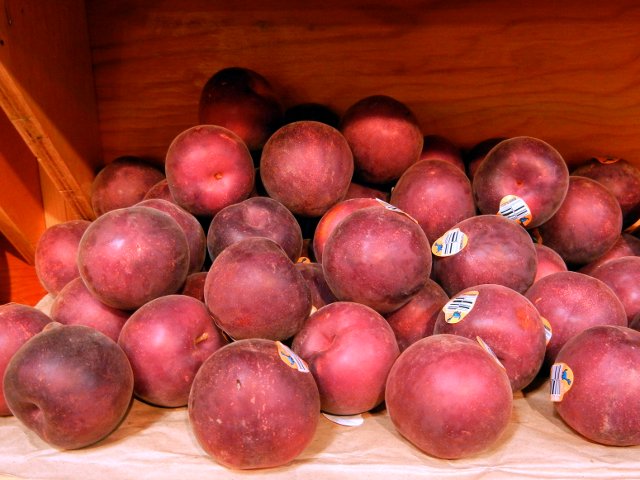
[377, 257]
[132, 255]
[416, 318]
[122, 183]
[449, 397]
[476, 154]
[332, 217]
[56, 254]
[625, 246]
[243, 101]
[549, 261]
[485, 249]
[209, 167]
[307, 166]
[506, 321]
[194, 285]
[522, 178]
[255, 217]
[166, 341]
[385, 138]
[362, 191]
[160, 190]
[191, 227]
[586, 225]
[253, 290]
[70, 384]
[621, 178]
[313, 273]
[252, 406]
[572, 302]
[435, 193]
[76, 305]
[350, 349]
[437, 147]
[18, 323]
[622, 275]
[596, 372]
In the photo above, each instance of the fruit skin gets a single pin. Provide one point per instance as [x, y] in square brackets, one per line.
[437, 391]
[385, 138]
[122, 183]
[549, 261]
[622, 275]
[167, 340]
[18, 323]
[586, 225]
[572, 302]
[253, 290]
[243, 101]
[70, 384]
[56, 254]
[350, 349]
[437, 147]
[208, 167]
[307, 166]
[321, 294]
[249, 409]
[435, 193]
[602, 403]
[191, 227]
[76, 305]
[621, 178]
[332, 217]
[132, 255]
[526, 167]
[255, 217]
[377, 257]
[509, 324]
[416, 318]
[498, 251]
[625, 246]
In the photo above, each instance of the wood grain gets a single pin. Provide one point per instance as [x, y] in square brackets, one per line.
[46, 90]
[566, 72]
[21, 208]
[18, 280]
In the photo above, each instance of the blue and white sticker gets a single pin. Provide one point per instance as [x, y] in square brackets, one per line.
[516, 209]
[459, 307]
[450, 243]
[291, 359]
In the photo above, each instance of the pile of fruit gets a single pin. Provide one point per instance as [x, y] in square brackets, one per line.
[287, 263]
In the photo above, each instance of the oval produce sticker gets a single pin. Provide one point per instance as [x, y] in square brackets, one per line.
[561, 381]
[459, 307]
[515, 208]
[291, 359]
[450, 243]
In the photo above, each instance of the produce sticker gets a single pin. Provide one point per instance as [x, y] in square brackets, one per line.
[486, 346]
[459, 307]
[515, 208]
[548, 332]
[561, 381]
[450, 243]
[393, 208]
[291, 359]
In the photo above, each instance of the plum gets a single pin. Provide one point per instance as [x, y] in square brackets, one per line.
[435, 193]
[349, 349]
[18, 323]
[253, 290]
[572, 302]
[253, 404]
[70, 384]
[208, 167]
[449, 397]
[255, 217]
[313, 273]
[122, 183]
[167, 340]
[416, 318]
[522, 178]
[506, 321]
[385, 138]
[437, 147]
[76, 305]
[194, 285]
[132, 255]
[626, 245]
[549, 261]
[307, 166]
[586, 225]
[243, 101]
[622, 275]
[485, 249]
[56, 254]
[377, 256]
[595, 387]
